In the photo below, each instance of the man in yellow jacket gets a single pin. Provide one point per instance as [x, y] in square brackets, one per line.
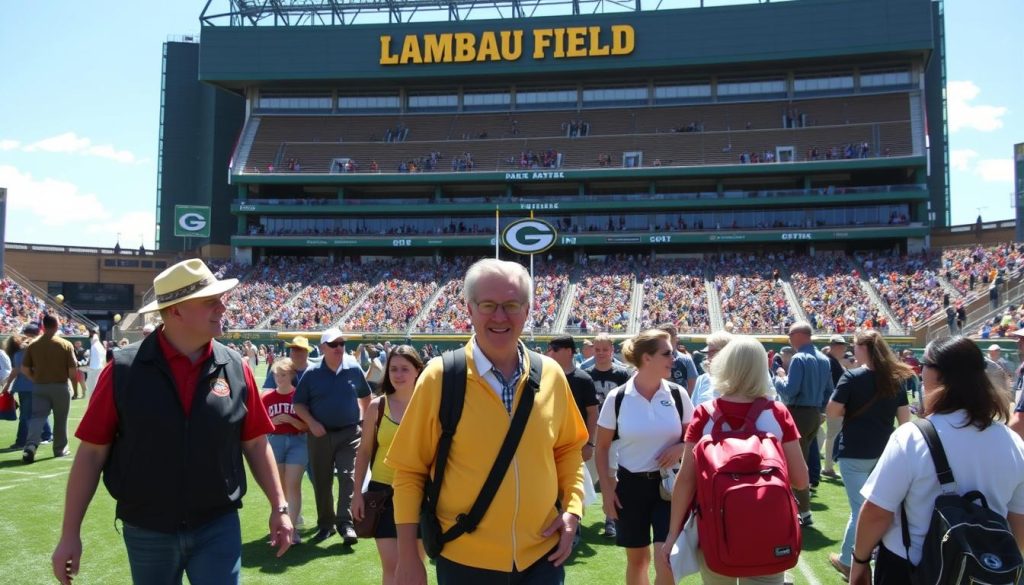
[524, 537]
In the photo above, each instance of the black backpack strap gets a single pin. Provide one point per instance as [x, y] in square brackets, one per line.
[620, 393]
[469, 521]
[453, 396]
[942, 471]
[376, 428]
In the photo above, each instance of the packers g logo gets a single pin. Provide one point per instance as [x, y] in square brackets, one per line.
[192, 222]
[529, 236]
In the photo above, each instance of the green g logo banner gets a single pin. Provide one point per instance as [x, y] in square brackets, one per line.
[529, 236]
[192, 221]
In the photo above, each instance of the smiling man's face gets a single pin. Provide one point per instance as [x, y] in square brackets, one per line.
[497, 334]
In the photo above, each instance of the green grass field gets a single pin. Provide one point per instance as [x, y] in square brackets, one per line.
[33, 498]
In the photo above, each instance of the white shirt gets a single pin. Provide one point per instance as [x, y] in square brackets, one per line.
[905, 473]
[486, 370]
[5, 367]
[702, 390]
[646, 427]
[97, 354]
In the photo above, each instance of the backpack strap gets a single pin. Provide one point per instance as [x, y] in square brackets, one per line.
[620, 393]
[942, 470]
[758, 406]
[376, 428]
[453, 396]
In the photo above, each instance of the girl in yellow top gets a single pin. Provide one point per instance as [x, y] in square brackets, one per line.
[403, 367]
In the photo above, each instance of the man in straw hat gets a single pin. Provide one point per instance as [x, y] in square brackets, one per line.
[298, 352]
[167, 425]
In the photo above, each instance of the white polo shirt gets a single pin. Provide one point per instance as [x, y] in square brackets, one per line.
[646, 427]
[905, 473]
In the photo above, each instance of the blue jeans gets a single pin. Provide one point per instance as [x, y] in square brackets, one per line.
[209, 555]
[814, 462]
[25, 415]
[855, 474]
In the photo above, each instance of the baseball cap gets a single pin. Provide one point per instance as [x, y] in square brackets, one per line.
[332, 334]
[837, 340]
[994, 347]
[787, 350]
[563, 342]
[31, 328]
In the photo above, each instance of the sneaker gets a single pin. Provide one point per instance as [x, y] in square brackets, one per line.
[609, 529]
[17, 446]
[296, 538]
[838, 565]
[806, 519]
[28, 455]
[348, 535]
[63, 453]
[45, 441]
[830, 473]
[300, 522]
[322, 535]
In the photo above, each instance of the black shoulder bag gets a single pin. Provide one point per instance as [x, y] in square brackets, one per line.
[453, 396]
[966, 543]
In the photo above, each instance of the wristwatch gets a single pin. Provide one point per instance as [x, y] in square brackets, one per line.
[281, 509]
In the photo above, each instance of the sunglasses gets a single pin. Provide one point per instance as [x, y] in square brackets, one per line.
[335, 344]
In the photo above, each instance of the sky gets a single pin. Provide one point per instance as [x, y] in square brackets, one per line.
[80, 101]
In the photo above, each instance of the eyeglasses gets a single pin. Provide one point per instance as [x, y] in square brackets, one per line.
[510, 307]
[335, 344]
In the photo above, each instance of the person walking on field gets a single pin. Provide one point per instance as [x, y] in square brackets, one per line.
[168, 424]
[50, 364]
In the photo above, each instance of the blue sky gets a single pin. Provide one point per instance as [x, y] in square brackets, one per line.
[79, 113]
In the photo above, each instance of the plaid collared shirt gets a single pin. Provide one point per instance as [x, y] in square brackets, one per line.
[508, 387]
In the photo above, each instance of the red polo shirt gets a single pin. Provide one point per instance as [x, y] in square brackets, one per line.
[99, 424]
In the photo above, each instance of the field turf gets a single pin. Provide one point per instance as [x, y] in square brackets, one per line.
[33, 498]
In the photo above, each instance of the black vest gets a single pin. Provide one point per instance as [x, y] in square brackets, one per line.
[168, 471]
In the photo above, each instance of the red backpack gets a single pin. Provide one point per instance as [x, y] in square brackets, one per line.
[747, 518]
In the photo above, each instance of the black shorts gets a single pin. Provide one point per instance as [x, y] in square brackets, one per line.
[386, 522]
[642, 511]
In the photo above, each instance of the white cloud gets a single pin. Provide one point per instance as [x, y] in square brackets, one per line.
[71, 143]
[963, 114]
[960, 160]
[995, 170]
[7, 144]
[46, 210]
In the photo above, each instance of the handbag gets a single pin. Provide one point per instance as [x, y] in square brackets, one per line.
[8, 407]
[668, 483]
[683, 558]
[374, 502]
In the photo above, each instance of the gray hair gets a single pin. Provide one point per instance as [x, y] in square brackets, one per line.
[492, 266]
[718, 340]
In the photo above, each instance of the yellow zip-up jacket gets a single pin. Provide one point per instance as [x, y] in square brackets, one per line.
[546, 468]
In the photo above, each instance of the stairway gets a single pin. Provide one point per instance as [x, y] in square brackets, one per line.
[714, 304]
[415, 323]
[355, 306]
[794, 302]
[265, 323]
[562, 317]
[241, 157]
[635, 306]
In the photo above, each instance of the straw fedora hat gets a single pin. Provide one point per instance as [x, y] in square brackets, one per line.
[300, 342]
[188, 279]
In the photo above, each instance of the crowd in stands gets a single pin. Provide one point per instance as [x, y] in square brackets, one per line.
[403, 289]
[399, 133]
[321, 305]
[19, 307]
[425, 163]
[463, 162]
[845, 151]
[831, 296]
[751, 293]
[674, 293]
[576, 128]
[393, 229]
[550, 280]
[972, 267]
[448, 313]
[269, 285]
[603, 295]
[1002, 324]
[528, 159]
[909, 284]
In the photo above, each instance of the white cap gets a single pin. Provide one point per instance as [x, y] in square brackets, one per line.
[331, 334]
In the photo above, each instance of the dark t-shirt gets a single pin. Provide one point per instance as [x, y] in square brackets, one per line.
[607, 380]
[683, 369]
[865, 434]
[583, 391]
[837, 369]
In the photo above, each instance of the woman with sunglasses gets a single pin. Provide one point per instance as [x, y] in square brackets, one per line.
[984, 454]
[402, 368]
[649, 431]
[867, 399]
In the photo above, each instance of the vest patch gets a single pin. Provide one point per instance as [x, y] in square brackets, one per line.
[220, 388]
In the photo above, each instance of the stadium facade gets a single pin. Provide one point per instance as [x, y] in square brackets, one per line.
[807, 124]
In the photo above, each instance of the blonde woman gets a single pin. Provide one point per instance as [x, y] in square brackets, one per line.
[288, 441]
[739, 373]
[402, 368]
[650, 433]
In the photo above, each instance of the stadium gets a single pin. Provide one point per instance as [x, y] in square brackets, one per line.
[724, 167]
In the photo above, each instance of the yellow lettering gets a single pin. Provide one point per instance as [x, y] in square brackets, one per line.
[464, 47]
[596, 48]
[559, 43]
[437, 48]
[386, 58]
[623, 39]
[508, 52]
[488, 50]
[577, 40]
[541, 41]
[411, 50]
